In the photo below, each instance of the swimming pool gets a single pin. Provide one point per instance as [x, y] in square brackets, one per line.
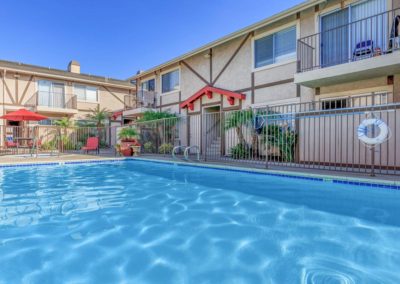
[144, 222]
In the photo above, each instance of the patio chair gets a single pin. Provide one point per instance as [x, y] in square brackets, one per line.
[363, 48]
[92, 144]
[11, 144]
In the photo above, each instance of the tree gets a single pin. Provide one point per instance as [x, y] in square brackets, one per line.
[154, 115]
[63, 125]
[238, 120]
[99, 116]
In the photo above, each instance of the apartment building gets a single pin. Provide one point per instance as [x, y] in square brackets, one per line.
[320, 50]
[58, 93]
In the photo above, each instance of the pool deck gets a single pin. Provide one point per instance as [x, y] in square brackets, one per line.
[19, 159]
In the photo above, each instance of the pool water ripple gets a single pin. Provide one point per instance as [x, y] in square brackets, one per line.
[138, 222]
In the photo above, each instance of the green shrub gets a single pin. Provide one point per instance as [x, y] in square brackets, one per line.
[165, 148]
[241, 151]
[148, 147]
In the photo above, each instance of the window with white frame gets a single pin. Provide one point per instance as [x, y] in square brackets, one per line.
[170, 81]
[86, 93]
[275, 48]
[51, 94]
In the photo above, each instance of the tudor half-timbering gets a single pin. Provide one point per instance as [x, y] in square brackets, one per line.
[327, 51]
[57, 93]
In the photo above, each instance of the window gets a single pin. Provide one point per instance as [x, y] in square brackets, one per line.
[334, 104]
[275, 48]
[149, 85]
[86, 93]
[170, 81]
[49, 121]
[51, 94]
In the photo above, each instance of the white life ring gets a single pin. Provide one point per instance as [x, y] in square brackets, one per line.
[363, 129]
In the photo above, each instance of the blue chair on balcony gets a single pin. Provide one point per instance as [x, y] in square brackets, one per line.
[363, 49]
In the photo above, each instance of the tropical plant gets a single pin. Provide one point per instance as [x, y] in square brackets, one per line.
[283, 138]
[127, 133]
[148, 147]
[165, 148]
[98, 115]
[239, 120]
[63, 125]
[241, 151]
[163, 123]
[155, 115]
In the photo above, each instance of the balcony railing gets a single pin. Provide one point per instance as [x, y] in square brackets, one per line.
[373, 36]
[52, 100]
[141, 98]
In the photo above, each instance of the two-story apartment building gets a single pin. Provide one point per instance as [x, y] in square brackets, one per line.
[58, 93]
[319, 50]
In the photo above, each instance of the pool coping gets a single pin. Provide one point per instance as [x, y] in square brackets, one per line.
[307, 176]
[318, 177]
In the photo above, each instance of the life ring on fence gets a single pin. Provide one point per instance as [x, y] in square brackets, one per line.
[363, 129]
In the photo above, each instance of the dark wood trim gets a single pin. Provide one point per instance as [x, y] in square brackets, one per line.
[211, 64]
[8, 90]
[282, 82]
[232, 57]
[26, 89]
[114, 95]
[195, 72]
[232, 108]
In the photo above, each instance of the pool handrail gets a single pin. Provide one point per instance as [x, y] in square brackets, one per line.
[186, 153]
[176, 148]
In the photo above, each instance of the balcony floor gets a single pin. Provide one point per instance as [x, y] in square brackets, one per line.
[373, 67]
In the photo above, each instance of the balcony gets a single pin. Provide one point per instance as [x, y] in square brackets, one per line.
[52, 102]
[137, 104]
[359, 50]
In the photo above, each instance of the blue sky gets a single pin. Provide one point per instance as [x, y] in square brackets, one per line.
[116, 38]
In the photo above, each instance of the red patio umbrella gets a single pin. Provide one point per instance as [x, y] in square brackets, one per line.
[23, 115]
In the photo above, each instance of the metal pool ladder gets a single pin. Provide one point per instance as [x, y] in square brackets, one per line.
[186, 151]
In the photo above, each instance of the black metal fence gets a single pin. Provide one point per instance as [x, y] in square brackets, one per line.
[365, 38]
[318, 135]
[53, 139]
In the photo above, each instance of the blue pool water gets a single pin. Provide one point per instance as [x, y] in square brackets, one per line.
[142, 222]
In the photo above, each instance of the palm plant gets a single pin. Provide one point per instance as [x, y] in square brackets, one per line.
[238, 120]
[98, 115]
[63, 125]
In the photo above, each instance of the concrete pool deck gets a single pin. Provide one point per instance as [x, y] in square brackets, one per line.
[27, 159]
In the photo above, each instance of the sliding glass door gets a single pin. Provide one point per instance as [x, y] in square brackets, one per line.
[51, 94]
[353, 32]
[335, 38]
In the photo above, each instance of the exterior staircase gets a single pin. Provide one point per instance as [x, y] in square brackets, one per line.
[213, 149]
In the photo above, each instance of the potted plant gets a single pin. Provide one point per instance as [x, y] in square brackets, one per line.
[128, 136]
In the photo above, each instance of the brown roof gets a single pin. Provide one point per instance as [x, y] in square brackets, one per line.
[22, 67]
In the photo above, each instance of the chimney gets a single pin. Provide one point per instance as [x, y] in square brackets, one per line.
[74, 67]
